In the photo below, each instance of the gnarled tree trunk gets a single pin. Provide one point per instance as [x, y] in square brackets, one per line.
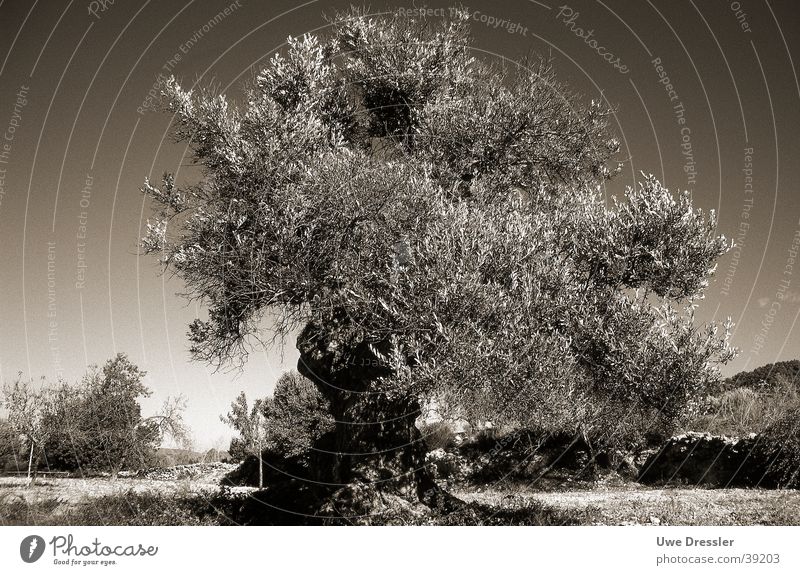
[380, 460]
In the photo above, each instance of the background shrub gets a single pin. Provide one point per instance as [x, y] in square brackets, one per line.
[296, 416]
[748, 409]
[780, 444]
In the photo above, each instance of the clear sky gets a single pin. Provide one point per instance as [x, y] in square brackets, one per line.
[706, 96]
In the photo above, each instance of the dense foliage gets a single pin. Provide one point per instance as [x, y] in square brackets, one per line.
[287, 423]
[780, 443]
[389, 186]
[98, 424]
[296, 415]
[12, 449]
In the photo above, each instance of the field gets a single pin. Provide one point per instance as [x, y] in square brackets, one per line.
[199, 500]
[673, 506]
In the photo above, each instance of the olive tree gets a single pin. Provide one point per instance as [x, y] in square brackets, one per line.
[249, 423]
[28, 409]
[433, 226]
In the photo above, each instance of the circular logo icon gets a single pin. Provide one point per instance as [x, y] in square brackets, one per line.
[31, 548]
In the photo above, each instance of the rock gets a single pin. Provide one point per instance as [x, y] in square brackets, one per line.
[203, 472]
[524, 456]
[641, 458]
[705, 459]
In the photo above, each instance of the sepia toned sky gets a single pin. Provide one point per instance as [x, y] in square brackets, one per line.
[706, 97]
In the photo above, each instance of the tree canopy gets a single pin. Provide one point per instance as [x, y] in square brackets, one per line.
[387, 185]
[98, 424]
[248, 422]
[287, 423]
[296, 415]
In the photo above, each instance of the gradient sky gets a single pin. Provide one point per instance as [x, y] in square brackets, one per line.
[75, 149]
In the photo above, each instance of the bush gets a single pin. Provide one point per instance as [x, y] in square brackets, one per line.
[620, 426]
[745, 409]
[486, 439]
[780, 445]
[736, 412]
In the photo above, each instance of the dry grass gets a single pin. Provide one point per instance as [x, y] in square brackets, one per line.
[633, 505]
[744, 410]
[106, 501]
[147, 502]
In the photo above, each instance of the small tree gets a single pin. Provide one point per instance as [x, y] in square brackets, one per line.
[170, 424]
[249, 422]
[28, 412]
[288, 424]
[114, 434]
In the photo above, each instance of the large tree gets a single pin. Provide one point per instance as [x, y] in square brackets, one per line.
[434, 225]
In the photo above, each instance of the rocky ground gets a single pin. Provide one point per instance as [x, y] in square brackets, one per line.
[198, 472]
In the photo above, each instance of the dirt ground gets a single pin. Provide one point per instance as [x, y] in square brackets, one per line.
[629, 504]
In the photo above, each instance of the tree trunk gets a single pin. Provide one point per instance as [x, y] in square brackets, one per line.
[380, 455]
[260, 467]
[30, 462]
